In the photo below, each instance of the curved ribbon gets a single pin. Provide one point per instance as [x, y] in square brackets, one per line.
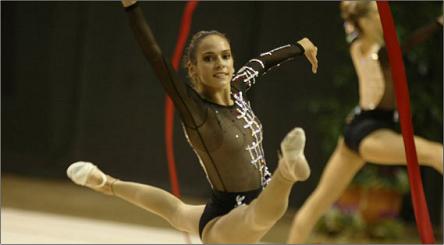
[403, 102]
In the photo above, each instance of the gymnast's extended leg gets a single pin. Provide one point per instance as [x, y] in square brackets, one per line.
[181, 216]
[386, 147]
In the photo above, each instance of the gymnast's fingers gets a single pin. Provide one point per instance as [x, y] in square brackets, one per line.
[311, 52]
[311, 55]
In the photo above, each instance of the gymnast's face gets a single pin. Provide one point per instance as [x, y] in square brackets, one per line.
[214, 64]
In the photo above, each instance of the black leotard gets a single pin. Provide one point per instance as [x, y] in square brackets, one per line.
[226, 139]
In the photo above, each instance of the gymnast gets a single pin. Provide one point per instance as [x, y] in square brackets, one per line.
[369, 134]
[226, 136]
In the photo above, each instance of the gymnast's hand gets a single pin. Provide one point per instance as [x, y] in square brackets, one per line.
[127, 3]
[311, 51]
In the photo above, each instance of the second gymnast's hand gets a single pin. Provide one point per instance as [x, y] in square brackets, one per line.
[311, 51]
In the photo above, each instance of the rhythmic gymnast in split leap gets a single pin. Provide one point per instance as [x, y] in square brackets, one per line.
[226, 136]
[369, 133]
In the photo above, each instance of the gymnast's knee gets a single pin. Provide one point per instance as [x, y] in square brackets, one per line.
[176, 218]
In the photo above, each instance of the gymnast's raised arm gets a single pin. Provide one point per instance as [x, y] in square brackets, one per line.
[187, 103]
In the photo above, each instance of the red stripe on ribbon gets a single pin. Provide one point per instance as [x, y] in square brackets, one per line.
[403, 102]
[169, 107]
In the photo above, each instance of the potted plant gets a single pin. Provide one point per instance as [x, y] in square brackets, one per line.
[370, 205]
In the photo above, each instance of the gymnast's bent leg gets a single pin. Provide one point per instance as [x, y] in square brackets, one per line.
[249, 223]
[181, 216]
[383, 146]
[336, 176]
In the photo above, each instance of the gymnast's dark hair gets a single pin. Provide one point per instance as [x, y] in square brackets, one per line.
[190, 51]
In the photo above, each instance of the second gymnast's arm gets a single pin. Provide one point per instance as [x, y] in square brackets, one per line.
[188, 106]
[422, 34]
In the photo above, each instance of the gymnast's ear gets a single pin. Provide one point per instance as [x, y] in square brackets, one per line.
[191, 69]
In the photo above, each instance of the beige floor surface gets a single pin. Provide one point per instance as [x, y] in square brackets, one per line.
[23, 226]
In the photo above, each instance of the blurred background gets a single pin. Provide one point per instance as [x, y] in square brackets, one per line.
[75, 86]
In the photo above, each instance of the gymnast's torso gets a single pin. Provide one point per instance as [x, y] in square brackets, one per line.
[229, 145]
[376, 89]
[374, 75]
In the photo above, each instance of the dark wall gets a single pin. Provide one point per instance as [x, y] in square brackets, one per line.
[75, 85]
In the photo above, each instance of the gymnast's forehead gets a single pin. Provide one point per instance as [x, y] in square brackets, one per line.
[213, 43]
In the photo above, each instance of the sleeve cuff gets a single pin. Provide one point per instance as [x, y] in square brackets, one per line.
[300, 47]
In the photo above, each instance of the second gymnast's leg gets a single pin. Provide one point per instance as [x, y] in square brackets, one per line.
[181, 216]
[386, 147]
[338, 173]
[249, 223]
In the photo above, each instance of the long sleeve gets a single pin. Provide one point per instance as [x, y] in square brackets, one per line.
[256, 67]
[187, 101]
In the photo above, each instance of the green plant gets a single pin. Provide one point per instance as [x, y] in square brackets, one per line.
[387, 229]
[385, 177]
[336, 222]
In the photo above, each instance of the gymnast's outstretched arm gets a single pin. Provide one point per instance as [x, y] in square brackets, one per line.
[266, 61]
[187, 103]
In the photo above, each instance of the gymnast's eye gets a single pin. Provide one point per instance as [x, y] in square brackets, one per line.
[208, 58]
[226, 56]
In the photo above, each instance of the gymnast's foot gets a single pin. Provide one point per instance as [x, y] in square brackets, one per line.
[292, 163]
[87, 174]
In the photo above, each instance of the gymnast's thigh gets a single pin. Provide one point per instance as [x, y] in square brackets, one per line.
[237, 226]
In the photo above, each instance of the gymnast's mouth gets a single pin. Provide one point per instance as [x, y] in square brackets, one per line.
[220, 75]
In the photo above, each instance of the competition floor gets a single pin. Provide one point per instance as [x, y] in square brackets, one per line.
[23, 226]
[55, 212]
[59, 212]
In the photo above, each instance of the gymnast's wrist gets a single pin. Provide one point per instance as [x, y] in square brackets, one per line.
[300, 47]
[129, 3]
[304, 44]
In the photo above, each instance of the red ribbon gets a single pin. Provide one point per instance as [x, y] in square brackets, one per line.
[169, 107]
[402, 98]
